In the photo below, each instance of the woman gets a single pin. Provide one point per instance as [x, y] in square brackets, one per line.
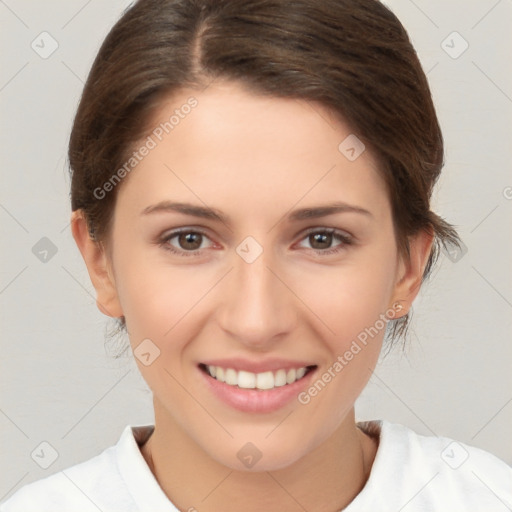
[250, 192]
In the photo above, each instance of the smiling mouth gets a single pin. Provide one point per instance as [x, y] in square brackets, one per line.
[259, 381]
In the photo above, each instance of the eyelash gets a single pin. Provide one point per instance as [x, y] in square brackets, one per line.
[344, 238]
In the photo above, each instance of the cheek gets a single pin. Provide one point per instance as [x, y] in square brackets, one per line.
[163, 305]
[353, 305]
[156, 299]
[350, 298]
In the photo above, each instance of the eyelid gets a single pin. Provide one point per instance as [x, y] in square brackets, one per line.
[326, 229]
[186, 229]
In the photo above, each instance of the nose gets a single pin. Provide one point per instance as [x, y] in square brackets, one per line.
[257, 308]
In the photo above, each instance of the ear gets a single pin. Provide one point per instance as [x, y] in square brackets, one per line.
[96, 259]
[410, 273]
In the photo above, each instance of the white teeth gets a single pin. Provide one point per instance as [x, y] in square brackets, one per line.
[280, 378]
[219, 372]
[231, 377]
[246, 380]
[249, 380]
[265, 380]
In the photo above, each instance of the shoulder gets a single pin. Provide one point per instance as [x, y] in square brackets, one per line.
[436, 473]
[75, 487]
[96, 484]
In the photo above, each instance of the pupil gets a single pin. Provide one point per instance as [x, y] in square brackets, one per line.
[321, 238]
[190, 240]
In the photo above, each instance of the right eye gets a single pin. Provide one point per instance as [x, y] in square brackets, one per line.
[188, 242]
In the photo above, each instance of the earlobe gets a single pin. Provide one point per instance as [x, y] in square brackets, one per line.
[411, 271]
[96, 260]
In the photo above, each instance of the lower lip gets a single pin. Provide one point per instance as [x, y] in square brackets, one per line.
[253, 400]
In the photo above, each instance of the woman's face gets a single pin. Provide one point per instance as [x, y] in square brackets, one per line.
[256, 284]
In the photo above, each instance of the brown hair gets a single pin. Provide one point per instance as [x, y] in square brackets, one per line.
[352, 56]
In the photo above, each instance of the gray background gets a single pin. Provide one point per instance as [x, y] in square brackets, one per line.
[59, 385]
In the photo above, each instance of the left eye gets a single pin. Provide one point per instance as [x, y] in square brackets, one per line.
[321, 240]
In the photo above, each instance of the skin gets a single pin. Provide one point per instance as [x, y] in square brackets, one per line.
[256, 159]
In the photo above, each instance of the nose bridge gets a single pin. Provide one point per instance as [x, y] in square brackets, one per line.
[257, 306]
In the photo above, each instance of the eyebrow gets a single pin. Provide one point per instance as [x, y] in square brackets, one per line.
[311, 212]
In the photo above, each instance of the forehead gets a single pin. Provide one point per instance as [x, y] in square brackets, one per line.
[228, 147]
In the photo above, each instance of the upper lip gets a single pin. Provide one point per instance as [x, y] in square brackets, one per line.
[269, 365]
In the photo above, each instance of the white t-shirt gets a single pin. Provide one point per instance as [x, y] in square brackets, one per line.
[410, 473]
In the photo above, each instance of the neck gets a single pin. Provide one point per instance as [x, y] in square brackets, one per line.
[328, 478]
